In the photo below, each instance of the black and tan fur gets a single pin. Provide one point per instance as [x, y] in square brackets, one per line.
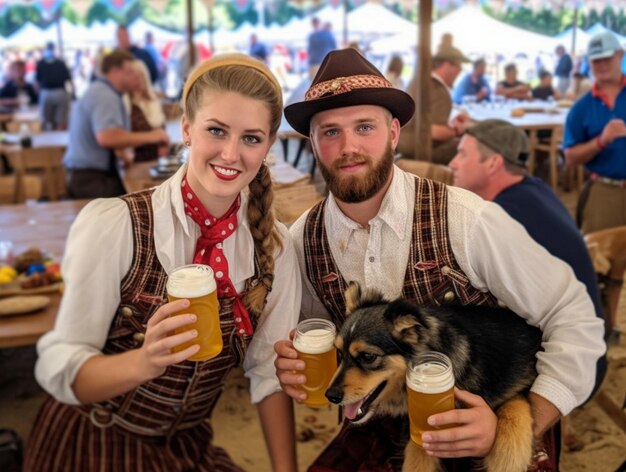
[492, 352]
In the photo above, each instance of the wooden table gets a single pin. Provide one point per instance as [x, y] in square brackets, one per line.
[538, 116]
[27, 115]
[42, 225]
[58, 139]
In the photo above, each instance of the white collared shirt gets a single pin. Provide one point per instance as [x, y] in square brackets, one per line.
[497, 254]
[98, 255]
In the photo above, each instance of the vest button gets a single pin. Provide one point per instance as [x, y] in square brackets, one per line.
[127, 312]
[448, 296]
[445, 270]
[139, 337]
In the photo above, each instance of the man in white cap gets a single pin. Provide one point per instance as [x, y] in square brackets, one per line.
[594, 137]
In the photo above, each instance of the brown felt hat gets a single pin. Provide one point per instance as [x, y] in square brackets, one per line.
[451, 54]
[347, 79]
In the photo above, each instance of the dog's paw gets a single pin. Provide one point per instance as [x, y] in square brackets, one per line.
[415, 459]
[513, 448]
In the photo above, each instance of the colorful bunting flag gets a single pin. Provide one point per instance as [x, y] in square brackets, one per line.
[81, 6]
[49, 6]
[242, 5]
[116, 6]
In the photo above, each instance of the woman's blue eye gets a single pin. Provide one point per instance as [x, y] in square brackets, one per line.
[252, 139]
[217, 131]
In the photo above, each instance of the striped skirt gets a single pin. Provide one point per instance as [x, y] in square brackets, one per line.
[64, 439]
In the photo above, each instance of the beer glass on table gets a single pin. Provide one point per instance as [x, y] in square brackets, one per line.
[314, 341]
[196, 283]
[430, 389]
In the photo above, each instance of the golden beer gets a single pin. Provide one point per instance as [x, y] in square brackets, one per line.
[196, 283]
[314, 341]
[430, 389]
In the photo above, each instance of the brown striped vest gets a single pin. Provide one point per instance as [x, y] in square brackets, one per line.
[186, 393]
[432, 276]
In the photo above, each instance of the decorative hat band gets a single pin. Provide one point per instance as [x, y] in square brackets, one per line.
[341, 85]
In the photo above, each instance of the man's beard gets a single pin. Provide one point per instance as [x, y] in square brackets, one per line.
[358, 188]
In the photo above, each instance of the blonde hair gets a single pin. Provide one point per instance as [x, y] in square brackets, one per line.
[251, 78]
[147, 101]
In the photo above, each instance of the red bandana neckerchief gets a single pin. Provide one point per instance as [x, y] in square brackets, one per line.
[209, 250]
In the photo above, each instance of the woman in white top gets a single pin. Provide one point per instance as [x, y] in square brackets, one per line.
[145, 111]
[121, 399]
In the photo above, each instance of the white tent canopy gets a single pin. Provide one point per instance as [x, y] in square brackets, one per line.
[373, 18]
[368, 20]
[565, 39]
[140, 27]
[30, 34]
[71, 33]
[474, 32]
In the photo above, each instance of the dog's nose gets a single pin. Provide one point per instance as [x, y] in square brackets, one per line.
[334, 395]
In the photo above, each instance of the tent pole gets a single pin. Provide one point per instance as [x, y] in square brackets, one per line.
[574, 30]
[190, 45]
[423, 150]
[345, 24]
[59, 31]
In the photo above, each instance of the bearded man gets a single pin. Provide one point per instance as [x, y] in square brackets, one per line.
[407, 236]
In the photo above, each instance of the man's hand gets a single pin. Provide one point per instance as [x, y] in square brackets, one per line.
[160, 136]
[460, 123]
[471, 431]
[614, 129]
[287, 366]
[545, 414]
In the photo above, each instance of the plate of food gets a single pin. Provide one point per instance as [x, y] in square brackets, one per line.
[30, 273]
[22, 304]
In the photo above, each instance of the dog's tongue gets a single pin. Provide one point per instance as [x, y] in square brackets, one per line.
[350, 411]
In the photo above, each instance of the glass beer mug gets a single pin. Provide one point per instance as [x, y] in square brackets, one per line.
[314, 341]
[430, 390]
[196, 283]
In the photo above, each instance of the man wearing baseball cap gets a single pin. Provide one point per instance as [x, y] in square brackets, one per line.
[407, 236]
[491, 162]
[595, 136]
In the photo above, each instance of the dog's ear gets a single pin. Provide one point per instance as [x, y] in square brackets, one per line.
[356, 297]
[405, 321]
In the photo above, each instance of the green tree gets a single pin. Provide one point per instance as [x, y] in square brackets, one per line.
[593, 18]
[15, 16]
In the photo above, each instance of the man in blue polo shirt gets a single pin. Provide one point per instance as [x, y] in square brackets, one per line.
[100, 131]
[595, 133]
[474, 84]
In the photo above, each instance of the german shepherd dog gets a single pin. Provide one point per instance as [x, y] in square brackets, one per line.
[492, 352]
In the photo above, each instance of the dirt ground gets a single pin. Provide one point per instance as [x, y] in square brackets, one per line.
[601, 443]
[601, 448]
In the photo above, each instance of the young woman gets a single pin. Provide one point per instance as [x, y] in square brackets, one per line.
[145, 111]
[123, 401]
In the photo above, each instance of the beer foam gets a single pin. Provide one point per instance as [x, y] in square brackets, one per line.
[191, 281]
[430, 377]
[314, 341]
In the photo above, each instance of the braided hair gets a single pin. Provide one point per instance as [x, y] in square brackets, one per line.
[249, 77]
